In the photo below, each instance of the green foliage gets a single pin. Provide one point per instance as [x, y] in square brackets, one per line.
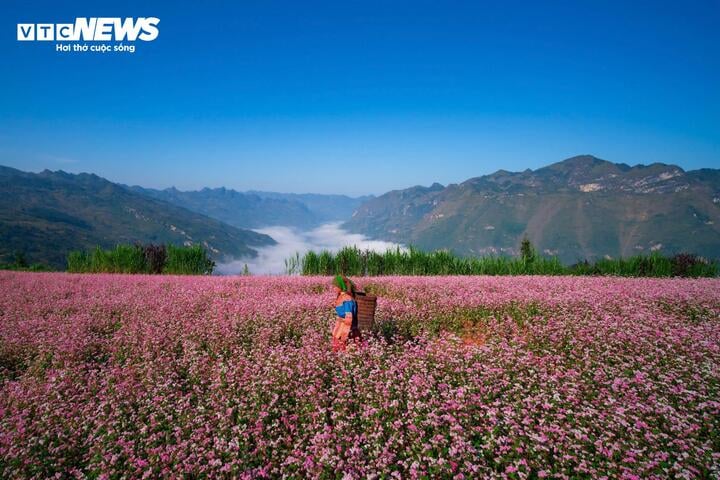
[20, 259]
[78, 261]
[690, 265]
[412, 261]
[527, 251]
[33, 267]
[191, 260]
[326, 263]
[20, 263]
[293, 264]
[121, 259]
[653, 265]
[136, 258]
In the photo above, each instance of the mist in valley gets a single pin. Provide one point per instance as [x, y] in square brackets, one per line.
[271, 260]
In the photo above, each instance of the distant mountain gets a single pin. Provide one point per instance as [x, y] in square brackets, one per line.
[582, 207]
[48, 214]
[256, 209]
[244, 210]
[326, 208]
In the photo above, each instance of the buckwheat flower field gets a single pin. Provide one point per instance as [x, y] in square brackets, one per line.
[113, 376]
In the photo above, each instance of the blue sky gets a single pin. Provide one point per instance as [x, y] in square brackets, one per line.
[291, 96]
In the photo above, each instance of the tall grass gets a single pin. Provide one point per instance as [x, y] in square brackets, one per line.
[412, 261]
[191, 260]
[121, 259]
[653, 265]
[188, 261]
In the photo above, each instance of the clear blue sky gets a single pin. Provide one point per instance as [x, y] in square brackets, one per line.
[285, 95]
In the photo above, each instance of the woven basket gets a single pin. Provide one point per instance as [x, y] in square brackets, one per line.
[366, 310]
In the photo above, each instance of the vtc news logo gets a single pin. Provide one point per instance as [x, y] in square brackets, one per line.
[92, 29]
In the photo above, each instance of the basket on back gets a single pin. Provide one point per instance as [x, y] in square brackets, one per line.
[366, 310]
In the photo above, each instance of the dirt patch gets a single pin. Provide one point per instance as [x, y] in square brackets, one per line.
[476, 339]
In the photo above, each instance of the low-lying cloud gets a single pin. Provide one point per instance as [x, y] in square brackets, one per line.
[271, 260]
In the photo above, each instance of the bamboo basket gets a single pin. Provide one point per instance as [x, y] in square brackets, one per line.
[366, 310]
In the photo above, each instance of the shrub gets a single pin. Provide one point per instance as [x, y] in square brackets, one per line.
[691, 265]
[21, 263]
[20, 260]
[527, 251]
[155, 257]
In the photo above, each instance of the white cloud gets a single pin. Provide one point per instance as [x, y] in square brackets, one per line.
[271, 260]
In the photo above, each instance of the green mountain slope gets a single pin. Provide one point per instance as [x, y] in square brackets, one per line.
[325, 207]
[255, 209]
[582, 207]
[48, 214]
[235, 208]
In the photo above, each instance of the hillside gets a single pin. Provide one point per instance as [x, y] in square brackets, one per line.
[325, 207]
[582, 207]
[255, 209]
[243, 210]
[48, 214]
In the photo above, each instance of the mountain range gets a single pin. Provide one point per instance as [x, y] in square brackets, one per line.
[579, 208]
[256, 209]
[48, 214]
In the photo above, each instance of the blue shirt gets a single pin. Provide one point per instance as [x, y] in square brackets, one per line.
[348, 306]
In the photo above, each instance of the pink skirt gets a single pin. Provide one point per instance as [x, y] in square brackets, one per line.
[340, 334]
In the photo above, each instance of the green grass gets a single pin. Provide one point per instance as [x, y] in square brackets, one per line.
[653, 265]
[191, 260]
[353, 261]
[188, 261]
[121, 259]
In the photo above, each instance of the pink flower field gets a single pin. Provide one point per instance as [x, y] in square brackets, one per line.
[113, 376]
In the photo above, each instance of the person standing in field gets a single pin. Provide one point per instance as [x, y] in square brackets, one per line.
[346, 324]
